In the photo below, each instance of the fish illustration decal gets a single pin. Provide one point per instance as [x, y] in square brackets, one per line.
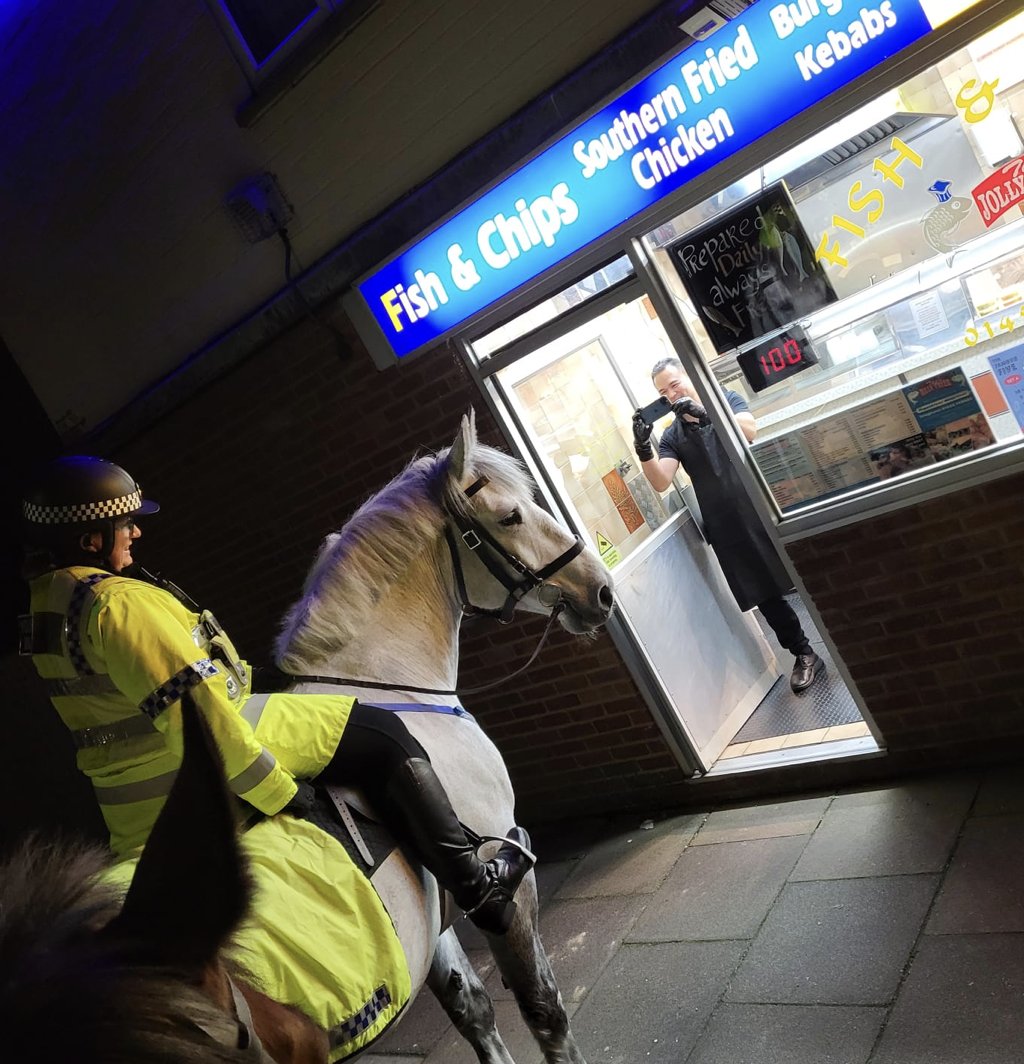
[943, 220]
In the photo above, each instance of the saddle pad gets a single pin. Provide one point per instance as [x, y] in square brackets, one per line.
[321, 939]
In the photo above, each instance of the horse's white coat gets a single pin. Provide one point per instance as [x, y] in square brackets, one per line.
[380, 604]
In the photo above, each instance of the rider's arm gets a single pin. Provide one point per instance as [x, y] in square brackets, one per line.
[144, 636]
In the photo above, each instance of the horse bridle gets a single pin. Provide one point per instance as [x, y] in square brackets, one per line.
[518, 583]
[248, 1042]
[495, 558]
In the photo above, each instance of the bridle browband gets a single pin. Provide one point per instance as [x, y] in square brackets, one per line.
[519, 583]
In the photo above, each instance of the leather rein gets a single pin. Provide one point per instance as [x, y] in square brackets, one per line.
[511, 572]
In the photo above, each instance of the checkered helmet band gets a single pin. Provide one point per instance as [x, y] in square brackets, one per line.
[85, 511]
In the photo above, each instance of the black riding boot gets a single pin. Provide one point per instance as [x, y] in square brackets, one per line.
[484, 891]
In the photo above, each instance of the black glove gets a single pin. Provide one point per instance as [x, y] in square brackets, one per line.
[642, 437]
[686, 405]
[302, 801]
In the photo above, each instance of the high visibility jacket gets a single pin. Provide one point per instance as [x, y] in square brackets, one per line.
[117, 654]
[321, 939]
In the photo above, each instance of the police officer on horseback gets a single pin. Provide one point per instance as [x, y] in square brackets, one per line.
[117, 647]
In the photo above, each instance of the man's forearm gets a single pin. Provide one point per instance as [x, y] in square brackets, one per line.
[656, 476]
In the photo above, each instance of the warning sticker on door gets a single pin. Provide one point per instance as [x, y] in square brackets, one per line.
[609, 552]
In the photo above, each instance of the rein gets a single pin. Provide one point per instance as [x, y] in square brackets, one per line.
[491, 553]
[345, 681]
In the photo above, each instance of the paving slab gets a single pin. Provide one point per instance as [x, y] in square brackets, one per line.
[887, 832]
[652, 1001]
[454, 1049]
[580, 937]
[719, 892]
[789, 1034]
[984, 888]
[837, 942]
[1001, 791]
[633, 862]
[962, 1003]
[798, 817]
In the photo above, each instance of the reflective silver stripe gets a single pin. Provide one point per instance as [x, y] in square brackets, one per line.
[256, 773]
[126, 793]
[48, 632]
[253, 709]
[83, 686]
[119, 730]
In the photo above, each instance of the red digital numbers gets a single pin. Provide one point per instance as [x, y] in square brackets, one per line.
[779, 358]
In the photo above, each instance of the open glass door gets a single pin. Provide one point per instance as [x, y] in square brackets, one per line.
[572, 393]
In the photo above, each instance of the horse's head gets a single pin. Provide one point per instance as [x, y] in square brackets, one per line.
[512, 551]
[87, 979]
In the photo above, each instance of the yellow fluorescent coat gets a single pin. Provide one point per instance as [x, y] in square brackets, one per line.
[319, 937]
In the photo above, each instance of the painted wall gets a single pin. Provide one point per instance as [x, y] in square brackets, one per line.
[120, 143]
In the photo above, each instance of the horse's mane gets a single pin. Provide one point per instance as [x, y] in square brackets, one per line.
[375, 548]
[52, 904]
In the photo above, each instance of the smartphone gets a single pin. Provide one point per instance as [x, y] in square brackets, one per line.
[654, 411]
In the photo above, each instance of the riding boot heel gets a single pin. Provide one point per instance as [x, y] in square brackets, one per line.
[420, 812]
[505, 870]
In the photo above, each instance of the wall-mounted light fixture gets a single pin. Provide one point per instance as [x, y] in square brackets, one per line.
[258, 207]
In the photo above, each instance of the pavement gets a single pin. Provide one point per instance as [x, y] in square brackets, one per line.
[882, 925]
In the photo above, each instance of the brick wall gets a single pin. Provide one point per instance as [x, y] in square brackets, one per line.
[926, 607]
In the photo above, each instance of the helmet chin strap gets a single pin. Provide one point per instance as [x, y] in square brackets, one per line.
[106, 548]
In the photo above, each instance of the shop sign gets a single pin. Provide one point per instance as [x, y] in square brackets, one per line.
[1000, 191]
[752, 75]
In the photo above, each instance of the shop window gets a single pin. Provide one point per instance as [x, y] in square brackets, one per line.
[865, 291]
[261, 32]
[277, 44]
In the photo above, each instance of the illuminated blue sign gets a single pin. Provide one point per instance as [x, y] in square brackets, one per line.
[753, 74]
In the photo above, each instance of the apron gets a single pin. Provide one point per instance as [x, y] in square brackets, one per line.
[749, 560]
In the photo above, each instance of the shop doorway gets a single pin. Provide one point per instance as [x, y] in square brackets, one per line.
[570, 393]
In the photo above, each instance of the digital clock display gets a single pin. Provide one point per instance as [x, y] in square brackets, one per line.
[774, 360]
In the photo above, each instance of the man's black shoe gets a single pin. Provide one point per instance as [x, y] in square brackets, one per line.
[805, 668]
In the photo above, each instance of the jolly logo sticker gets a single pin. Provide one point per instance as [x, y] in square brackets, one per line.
[1000, 191]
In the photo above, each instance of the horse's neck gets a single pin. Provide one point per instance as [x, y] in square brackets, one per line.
[411, 638]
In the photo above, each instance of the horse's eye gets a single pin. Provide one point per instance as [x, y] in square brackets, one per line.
[513, 518]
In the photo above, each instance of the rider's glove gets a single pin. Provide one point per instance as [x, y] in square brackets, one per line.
[302, 801]
[686, 405]
[642, 437]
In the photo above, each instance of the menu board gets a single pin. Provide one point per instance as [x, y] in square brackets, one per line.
[1008, 368]
[751, 270]
[924, 423]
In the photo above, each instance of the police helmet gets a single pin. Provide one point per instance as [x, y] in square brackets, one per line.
[79, 494]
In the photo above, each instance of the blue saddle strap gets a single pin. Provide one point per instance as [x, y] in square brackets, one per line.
[419, 707]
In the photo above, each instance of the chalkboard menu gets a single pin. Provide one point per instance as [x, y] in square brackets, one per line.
[751, 270]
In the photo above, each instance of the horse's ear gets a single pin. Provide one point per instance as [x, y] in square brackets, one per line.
[460, 459]
[190, 889]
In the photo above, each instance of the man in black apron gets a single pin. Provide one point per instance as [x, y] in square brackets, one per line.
[752, 567]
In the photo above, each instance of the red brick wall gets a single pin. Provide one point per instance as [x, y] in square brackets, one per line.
[926, 607]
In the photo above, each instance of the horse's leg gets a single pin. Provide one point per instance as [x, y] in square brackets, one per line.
[527, 973]
[462, 996]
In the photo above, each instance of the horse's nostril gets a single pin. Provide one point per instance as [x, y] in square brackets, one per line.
[606, 597]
